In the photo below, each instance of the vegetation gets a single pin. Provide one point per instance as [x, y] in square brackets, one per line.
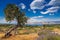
[44, 32]
[38, 32]
[13, 12]
[48, 35]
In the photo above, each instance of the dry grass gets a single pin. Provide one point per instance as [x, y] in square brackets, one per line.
[56, 30]
[31, 36]
[21, 37]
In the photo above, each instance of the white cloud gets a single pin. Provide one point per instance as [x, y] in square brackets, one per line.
[51, 10]
[37, 4]
[51, 14]
[22, 6]
[29, 10]
[40, 4]
[36, 20]
[3, 21]
[34, 11]
[33, 21]
[54, 3]
[44, 12]
[38, 17]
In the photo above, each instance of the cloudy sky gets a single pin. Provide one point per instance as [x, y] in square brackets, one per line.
[39, 11]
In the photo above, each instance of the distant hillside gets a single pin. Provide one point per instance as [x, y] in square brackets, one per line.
[51, 22]
[45, 22]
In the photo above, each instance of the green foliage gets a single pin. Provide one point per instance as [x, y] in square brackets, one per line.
[13, 12]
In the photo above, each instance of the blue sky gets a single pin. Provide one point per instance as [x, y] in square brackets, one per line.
[39, 11]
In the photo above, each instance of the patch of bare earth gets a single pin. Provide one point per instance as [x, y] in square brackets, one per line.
[21, 37]
[56, 30]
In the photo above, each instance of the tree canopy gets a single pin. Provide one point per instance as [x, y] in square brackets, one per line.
[13, 12]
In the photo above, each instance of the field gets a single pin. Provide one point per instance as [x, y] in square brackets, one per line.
[47, 32]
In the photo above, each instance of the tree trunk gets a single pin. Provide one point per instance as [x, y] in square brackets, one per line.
[9, 31]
